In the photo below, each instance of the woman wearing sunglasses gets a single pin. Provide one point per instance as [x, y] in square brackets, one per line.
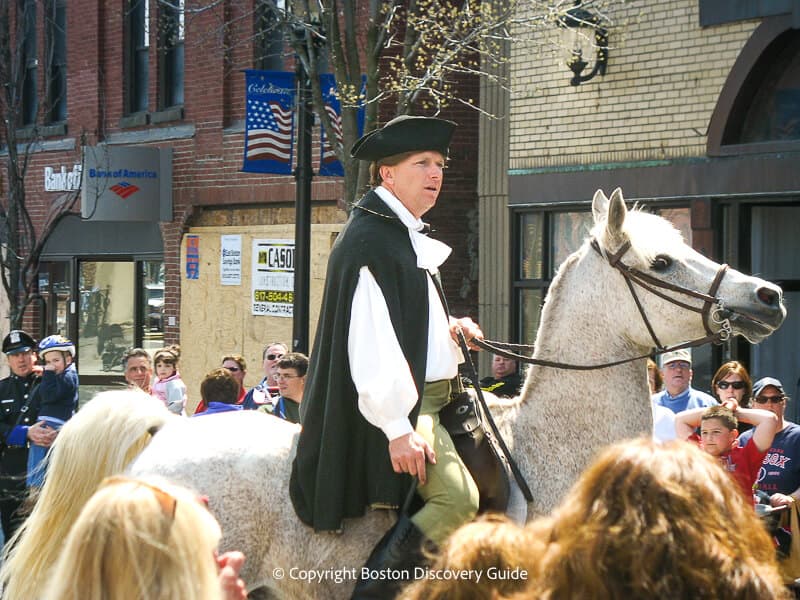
[732, 382]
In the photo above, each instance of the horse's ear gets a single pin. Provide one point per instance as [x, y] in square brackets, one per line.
[616, 213]
[599, 206]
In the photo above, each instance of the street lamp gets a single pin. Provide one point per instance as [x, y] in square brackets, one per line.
[588, 34]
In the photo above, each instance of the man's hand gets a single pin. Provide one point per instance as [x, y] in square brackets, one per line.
[469, 328]
[41, 435]
[408, 454]
[233, 588]
[780, 499]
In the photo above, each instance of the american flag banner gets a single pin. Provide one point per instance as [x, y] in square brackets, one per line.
[269, 125]
[328, 163]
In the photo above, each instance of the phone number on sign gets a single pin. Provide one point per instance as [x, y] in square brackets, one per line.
[273, 296]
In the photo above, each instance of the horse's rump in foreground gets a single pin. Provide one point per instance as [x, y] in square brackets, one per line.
[242, 461]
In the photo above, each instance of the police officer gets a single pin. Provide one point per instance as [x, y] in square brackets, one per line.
[18, 424]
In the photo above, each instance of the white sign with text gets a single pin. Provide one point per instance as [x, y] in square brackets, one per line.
[273, 278]
[230, 260]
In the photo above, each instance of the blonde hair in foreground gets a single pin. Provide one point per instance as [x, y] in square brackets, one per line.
[649, 520]
[139, 539]
[100, 440]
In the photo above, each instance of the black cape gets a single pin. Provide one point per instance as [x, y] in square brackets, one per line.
[342, 464]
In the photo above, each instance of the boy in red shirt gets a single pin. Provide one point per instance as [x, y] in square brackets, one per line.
[719, 437]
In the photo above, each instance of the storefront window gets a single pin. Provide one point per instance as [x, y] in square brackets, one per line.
[545, 239]
[54, 286]
[152, 305]
[775, 256]
[568, 232]
[530, 312]
[106, 317]
[531, 243]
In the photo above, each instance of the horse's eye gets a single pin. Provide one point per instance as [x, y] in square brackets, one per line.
[662, 262]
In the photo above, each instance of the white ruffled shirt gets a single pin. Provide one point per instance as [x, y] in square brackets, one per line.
[381, 374]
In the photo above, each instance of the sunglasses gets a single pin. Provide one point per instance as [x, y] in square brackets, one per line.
[274, 356]
[233, 369]
[770, 399]
[737, 385]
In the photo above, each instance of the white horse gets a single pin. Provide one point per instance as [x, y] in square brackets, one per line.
[242, 461]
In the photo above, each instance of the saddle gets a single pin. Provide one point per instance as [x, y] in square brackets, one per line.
[482, 452]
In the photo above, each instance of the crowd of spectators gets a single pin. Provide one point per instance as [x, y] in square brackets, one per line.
[669, 496]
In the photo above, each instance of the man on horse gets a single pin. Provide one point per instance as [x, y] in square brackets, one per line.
[383, 359]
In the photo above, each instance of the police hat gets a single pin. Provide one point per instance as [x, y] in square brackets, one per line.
[404, 134]
[18, 341]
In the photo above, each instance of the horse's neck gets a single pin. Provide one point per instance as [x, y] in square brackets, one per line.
[565, 416]
[580, 325]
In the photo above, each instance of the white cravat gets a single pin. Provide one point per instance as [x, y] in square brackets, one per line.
[430, 253]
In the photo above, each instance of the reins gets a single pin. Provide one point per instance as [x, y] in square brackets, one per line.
[719, 315]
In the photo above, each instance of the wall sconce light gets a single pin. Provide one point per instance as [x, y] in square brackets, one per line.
[588, 34]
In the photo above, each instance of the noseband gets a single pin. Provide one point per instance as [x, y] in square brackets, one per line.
[712, 311]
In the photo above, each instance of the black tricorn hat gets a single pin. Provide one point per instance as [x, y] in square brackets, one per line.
[18, 341]
[404, 134]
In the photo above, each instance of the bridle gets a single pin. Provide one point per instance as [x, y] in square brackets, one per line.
[712, 310]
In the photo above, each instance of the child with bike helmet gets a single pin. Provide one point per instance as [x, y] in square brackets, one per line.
[58, 396]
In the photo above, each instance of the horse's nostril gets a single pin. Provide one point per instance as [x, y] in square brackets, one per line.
[768, 296]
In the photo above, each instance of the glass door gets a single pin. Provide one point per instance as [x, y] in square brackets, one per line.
[55, 279]
[106, 318]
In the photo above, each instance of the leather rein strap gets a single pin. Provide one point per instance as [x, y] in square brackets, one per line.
[487, 420]
[490, 429]
[652, 284]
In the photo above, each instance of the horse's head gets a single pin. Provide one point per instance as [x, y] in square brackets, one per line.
[681, 294]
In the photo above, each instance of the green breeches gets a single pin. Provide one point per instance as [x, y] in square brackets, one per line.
[450, 494]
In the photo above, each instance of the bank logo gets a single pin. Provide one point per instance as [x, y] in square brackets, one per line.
[124, 190]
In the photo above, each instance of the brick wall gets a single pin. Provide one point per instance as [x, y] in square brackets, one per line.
[208, 142]
[655, 101]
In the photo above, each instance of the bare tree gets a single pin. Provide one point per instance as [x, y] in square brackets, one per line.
[22, 242]
[412, 53]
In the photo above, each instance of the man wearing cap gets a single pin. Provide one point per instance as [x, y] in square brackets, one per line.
[780, 471]
[678, 394]
[18, 424]
[383, 359]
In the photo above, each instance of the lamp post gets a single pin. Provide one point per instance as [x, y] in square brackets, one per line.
[307, 42]
[303, 175]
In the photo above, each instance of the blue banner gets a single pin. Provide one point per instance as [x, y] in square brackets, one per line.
[328, 163]
[269, 123]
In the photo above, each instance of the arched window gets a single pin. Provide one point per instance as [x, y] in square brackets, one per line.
[758, 109]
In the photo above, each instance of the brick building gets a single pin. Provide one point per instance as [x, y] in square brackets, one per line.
[140, 76]
[696, 118]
